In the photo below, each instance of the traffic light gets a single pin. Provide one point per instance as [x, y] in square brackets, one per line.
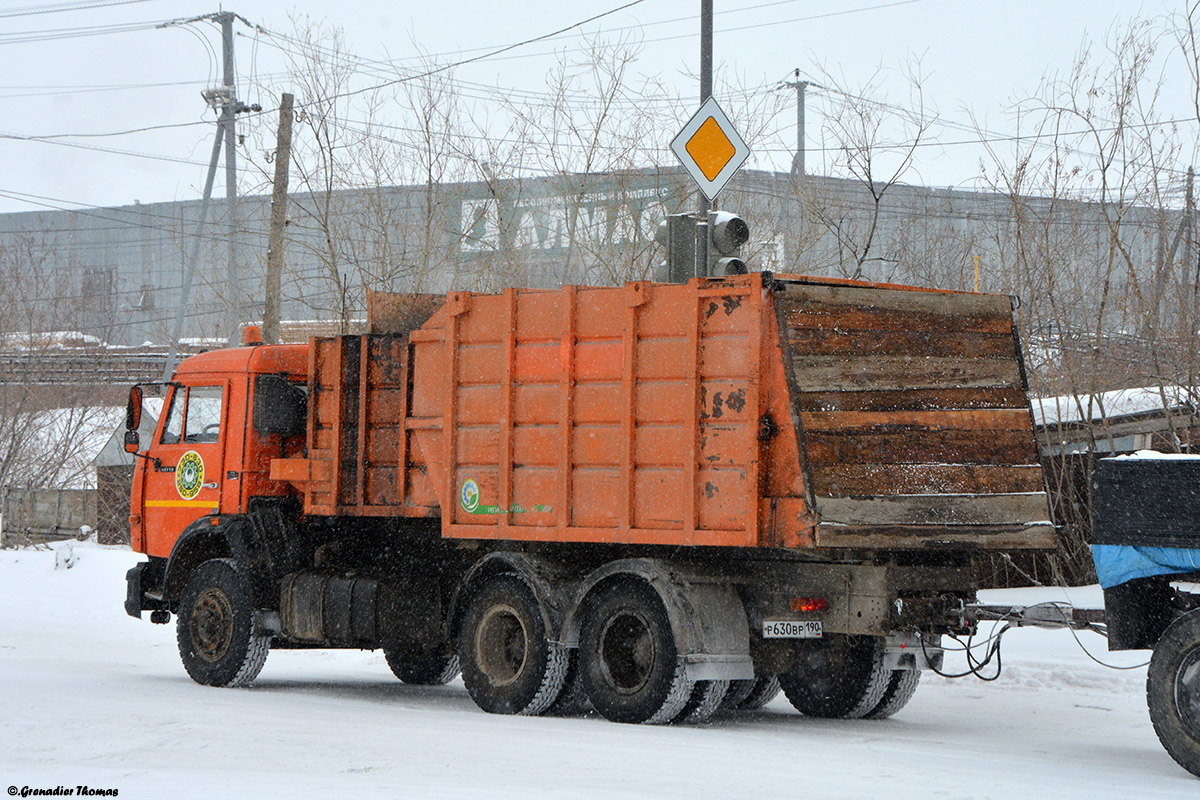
[721, 234]
[726, 234]
[677, 233]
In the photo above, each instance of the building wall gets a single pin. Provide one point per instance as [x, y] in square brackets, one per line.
[118, 273]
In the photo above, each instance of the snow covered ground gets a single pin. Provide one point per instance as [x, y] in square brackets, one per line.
[89, 696]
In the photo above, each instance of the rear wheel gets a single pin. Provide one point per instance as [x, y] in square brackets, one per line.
[1173, 691]
[839, 676]
[629, 659]
[572, 701]
[215, 626]
[422, 669]
[760, 692]
[902, 685]
[508, 665]
[705, 700]
[751, 694]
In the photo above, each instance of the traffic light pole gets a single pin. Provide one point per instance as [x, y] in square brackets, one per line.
[706, 46]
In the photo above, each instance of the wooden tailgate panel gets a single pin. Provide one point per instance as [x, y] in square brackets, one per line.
[914, 417]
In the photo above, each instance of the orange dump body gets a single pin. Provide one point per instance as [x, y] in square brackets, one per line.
[735, 412]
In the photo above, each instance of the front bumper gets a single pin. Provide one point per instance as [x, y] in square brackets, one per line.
[143, 588]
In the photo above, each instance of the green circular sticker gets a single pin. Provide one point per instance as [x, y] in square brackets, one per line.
[189, 475]
[468, 495]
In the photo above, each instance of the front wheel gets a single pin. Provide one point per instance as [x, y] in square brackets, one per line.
[1173, 690]
[215, 626]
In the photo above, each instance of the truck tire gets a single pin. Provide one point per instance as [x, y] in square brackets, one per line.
[838, 677]
[508, 664]
[764, 691]
[737, 692]
[215, 627]
[572, 701]
[629, 659]
[1173, 690]
[422, 669]
[751, 695]
[902, 685]
[705, 700]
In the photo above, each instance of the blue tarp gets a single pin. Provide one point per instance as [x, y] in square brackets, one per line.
[1117, 563]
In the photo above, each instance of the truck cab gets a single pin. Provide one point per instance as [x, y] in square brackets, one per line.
[211, 452]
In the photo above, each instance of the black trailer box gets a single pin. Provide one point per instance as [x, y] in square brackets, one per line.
[1147, 502]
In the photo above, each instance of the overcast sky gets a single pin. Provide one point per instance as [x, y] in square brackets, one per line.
[77, 73]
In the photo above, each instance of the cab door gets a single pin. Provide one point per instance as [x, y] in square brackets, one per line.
[183, 479]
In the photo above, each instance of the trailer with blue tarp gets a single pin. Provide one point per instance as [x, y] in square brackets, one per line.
[1146, 546]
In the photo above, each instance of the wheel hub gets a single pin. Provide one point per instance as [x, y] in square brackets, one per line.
[627, 652]
[502, 645]
[212, 624]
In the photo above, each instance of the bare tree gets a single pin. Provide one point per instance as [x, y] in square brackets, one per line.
[44, 424]
[874, 145]
[1088, 188]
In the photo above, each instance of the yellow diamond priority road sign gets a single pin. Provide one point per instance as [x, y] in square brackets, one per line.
[710, 149]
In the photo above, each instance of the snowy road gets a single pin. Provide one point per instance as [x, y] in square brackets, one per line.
[91, 697]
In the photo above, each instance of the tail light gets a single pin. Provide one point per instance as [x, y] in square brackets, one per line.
[800, 604]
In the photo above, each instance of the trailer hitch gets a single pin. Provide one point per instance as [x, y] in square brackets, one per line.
[1051, 616]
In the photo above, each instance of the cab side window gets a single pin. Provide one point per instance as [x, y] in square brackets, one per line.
[173, 430]
[203, 414]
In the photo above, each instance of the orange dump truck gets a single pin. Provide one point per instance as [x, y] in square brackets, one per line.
[658, 500]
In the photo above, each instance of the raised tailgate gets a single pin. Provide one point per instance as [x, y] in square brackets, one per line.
[914, 417]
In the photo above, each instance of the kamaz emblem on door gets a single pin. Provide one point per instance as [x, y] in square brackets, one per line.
[189, 475]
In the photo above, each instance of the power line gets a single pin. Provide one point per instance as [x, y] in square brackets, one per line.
[985, 136]
[95, 211]
[52, 91]
[106, 134]
[691, 19]
[58, 34]
[491, 54]
[735, 29]
[56, 8]
[109, 150]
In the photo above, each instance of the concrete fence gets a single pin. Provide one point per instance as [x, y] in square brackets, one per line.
[45, 514]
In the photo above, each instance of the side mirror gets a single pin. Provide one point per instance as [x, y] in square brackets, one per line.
[133, 413]
[131, 442]
[279, 406]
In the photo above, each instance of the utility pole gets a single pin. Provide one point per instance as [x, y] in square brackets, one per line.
[283, 157]
[193, 254]
[228, 109]
[224, 99]
[800, 87]
[703, 207]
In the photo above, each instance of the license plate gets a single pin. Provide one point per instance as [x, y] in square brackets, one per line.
[791, 629]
